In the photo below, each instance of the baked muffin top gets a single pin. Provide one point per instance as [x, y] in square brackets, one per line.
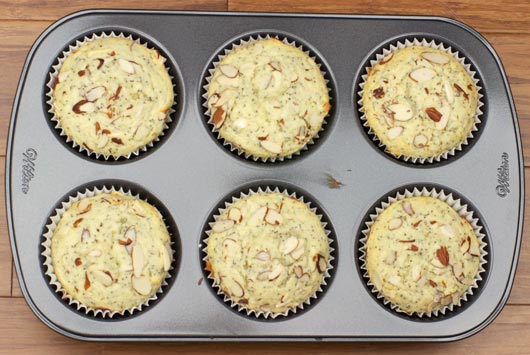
[268, 252]
[420, 102]
[111, 251]
[113, 96]
[421, 254]
[268, 98]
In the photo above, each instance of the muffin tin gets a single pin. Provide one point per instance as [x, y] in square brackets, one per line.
[189, 173]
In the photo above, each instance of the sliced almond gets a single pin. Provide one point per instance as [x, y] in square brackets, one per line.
[273, 217]
[420, 140]
[422, 74]
[226, 97]
[102, 141]
[448, 88]
[387, 59]
[259, 214]
[219, 117]
[298, 271]
[266, 308]
[95, 93]
[474, 249]
[84, 206]
[138, 260]
[443, 255]
[126, 66]
[415, 274]
[263, 256]
[263, 82]
[465, 246]
[275, 272]
[407, 207]
[395, 223]
[263, 276]
[322, 264]
[402, 111]
[390, 257]
[235, 214]
[305, 277]
[130, 234]
[394, 132]
[458, 271]
[394, 280]
[229, 70]
[229, 244]
[212, 100]
[447, 230]
[234, 288]
[444, 119]
[436, 58]
[141, 285]
[271, 146]
[102, 277]
[222, 225]
[289, 245]
[166, 258]
[437, 264]
[275, 65]
[299, 251]
[85, 236]
[95, 253]
[240, 123]
[228, 82]
[141, 131]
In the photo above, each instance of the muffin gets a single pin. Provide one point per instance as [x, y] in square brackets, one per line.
[420, 102]
[112, 96]
[268, 253]
[111, 251]
[421, 255]
[267, 98]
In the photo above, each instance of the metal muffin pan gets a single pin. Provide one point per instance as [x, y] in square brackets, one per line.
[190, 174]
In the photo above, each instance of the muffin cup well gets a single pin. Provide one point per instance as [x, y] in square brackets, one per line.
[48, 265]
[240, 307]
[54, 74]
[427, 44]
[211, 70]
[462, 209]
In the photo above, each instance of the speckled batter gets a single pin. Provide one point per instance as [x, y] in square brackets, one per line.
[421, 254]
[113, 96]
[111, 251]
[420, 102]
[268, 252]
[268, 98]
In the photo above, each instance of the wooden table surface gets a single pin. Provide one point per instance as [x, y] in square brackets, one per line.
[505, 24]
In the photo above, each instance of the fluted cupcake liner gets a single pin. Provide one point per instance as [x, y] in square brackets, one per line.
[54, 75]
[427, 44]
[462, 209]
[242, 42]
[48, 264]
[269, 314]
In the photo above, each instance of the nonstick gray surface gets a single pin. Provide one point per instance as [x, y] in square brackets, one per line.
[189, 173]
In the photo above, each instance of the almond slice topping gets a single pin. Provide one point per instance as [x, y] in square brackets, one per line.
[273, 217]
[401, 112]
[443, 255]
[84, 206]
[322, 264]
[289, 245]
[212, 100]
[420, 141]
[465, 246]
[299, 251]
[263, 256]
[85, 236]
[219, 117]
[138, 260]
[394, 132]
[259, 214]
[234, 288]
[229, 70]
[395, 223]
[263, 276]
[141, 285]
[271, 146]
[474, 249]
[95, 253]
[298, 271]
[95, 93]
[447, 230]
[226, 81]
[222, 225]
[235, 214]
[422, 74]
[435, 58]
[126, 66]
[390, 257]
[275, 272]
[102, 277]
[407, 207]
[449, 91]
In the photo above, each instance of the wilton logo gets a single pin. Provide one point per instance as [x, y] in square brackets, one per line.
[503, 176]
[28, 168]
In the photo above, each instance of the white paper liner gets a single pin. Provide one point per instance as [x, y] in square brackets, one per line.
[242, 308]
[220, 57]
[54, 73]
[462, 210]
[428, 44]
[54, 282]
